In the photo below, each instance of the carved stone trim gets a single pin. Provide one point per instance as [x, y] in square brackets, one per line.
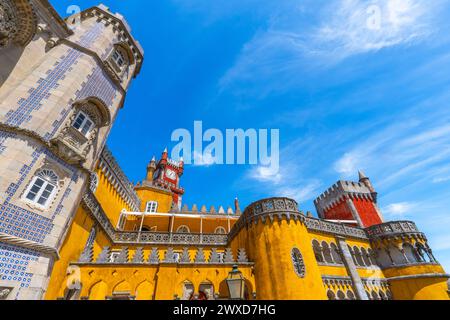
[18, 22]
[6, 238]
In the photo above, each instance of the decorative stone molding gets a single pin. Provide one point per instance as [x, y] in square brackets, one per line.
[103, 14]
[200, 256]
[333, 228]
[118, 179]
[87, 255]
[266, 210]
[113, 257]
[395, 229]
[154, 256]
[5, 292]
[138, 256]
[6, 238]
[18, 22]
[70, 143]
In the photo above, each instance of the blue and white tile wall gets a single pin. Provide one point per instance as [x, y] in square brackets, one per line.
[16, 219]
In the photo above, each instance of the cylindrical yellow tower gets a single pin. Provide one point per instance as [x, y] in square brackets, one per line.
[277, 241]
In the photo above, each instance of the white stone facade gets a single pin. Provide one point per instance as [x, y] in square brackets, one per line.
[46, 79]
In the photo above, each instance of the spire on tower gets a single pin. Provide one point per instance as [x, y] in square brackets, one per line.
[237, 208]
[362, 175]
[366, 181]
[151, 168]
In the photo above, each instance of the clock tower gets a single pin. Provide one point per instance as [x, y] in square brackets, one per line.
[167, 173]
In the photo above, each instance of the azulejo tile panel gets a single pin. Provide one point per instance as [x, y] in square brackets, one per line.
[14, 262]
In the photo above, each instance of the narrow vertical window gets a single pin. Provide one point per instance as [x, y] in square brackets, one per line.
[297, 260]
[151, 207]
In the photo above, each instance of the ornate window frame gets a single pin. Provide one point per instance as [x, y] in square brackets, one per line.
[71, 143]
[124, 51]
[220, 228]
[48, 178]
[298, 262]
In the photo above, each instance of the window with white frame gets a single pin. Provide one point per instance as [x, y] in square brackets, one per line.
[220, 230]
[119, 58]
[83, 123]
[120, 61]
[183, 229]
[42, 188]
[151, 207]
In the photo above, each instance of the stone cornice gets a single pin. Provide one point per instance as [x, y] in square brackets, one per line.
[118, 179]
[37, 138]
[284, 208]
[420, 276]
[102, 12]
[16, 241]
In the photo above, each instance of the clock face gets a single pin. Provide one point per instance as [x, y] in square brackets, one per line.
[171, 174]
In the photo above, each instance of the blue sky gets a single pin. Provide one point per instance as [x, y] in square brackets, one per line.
[344, 96]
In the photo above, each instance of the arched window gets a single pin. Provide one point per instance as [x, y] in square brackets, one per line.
[317, 251]
[42, 188]
[358, 256]
[220, 230]
[350, 295]
[352, 253]
[121, 59]
[335, 253]
[188, 290]
[422, 254]
[397, 256]
[375, 295]
[331, 295]
[299, 264]
[365, 257]
[327, 252]
[183, 229]
[341, 295]
[206, 291]
[83, 123]
[151, 207]
[372, 257]
[410, 253]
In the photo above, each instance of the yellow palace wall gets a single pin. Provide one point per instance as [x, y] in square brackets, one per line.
[269, 245]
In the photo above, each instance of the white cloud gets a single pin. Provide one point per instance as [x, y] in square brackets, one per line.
[265, 174]
[398, 210]
[356, 26]
[348, 165]
[440, 180]
[202, 160]
[299, 37]
[300, 192]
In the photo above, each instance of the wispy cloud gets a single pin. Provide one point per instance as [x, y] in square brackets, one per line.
[354, 26]
[398, 210]
[335, 31]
